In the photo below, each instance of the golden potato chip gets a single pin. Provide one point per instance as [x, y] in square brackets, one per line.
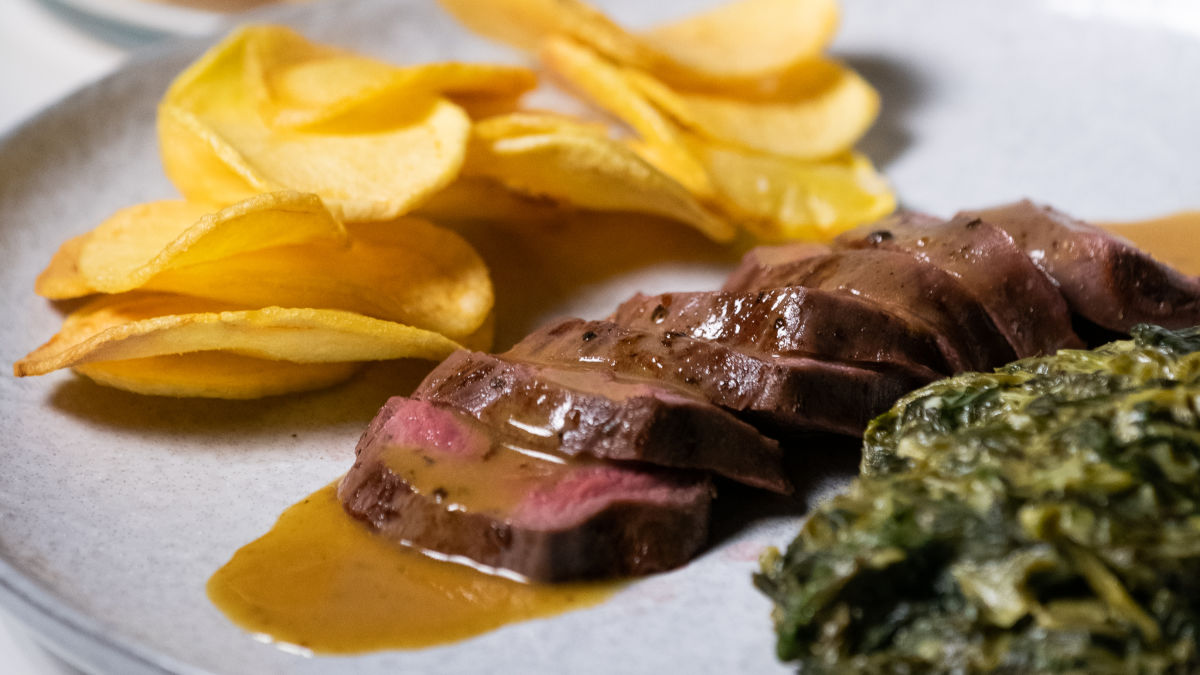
[774, 196]
[521, 123]
[478, 199]
[283, 69]
[782, 198]
[746, 40]
[525, 23]
[139, 325]
[608, 87]
[474, 86]
[582, 168]
[736, 43]
[408, 270]
[62, 279]
[141, 241]
[365, 165]
[479, 107]
[305, 84]
[804, 125]
[215, 375]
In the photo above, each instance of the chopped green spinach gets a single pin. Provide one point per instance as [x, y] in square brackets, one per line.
[1044, 518]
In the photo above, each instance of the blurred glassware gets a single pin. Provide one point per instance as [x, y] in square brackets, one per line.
[173, 17]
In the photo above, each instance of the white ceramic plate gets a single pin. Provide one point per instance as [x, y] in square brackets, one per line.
[115, 509]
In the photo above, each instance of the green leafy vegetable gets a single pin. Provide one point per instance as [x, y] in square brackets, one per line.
[1041, 518]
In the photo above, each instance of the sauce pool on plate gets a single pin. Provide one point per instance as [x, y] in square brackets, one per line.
[322, 581]
[1172, 239]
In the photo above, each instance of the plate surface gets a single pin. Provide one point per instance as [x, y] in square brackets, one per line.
[115, 508]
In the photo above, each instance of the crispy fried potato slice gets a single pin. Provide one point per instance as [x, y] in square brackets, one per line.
[62, 279]
[367, 164]
[215, 375]
[773, 196]
[743, 41]
[731, 45]
[407, 270]
[577, 166]
[525, 23]
[782, 198]
[478, 199]
[305, 84]
[478, 87]
[607, 86]
[520, 123]
[801, 124]
[480, 107]
[141, 241]
[139, 325]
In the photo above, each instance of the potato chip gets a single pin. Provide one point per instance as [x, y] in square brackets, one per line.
[525, 23]
[141, 241]
[525, 122]
[474, 86]
[747, 40]
[139, 325]
[773, 196]
[734, 44]
[215, 375]
[782, 198]
[477, 199]
[62, 279]
[305, 84]
[479, 107]
[802, 125]
[584, 169]
[407, 270]
[609, 87]
[217, 147]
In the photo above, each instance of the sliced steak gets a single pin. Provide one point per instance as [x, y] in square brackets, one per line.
[747, 276]
[791, 321]
[789, 393]
[1022, 301]
[596, 413]
[431, 478]
[896, 282]
[1104, 278]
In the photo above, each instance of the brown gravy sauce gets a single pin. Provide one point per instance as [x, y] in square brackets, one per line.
[320, 580]
[493, 484]
[1173, 239]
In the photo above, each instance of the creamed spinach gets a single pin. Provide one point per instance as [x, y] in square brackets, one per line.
[1043, 518]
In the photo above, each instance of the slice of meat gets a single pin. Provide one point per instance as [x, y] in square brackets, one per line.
[588, 412]
[433, 479]
[790, 394]
[896, 282]
[791, 321]
[747, 276]
[1022, 301]
[1104, 278]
